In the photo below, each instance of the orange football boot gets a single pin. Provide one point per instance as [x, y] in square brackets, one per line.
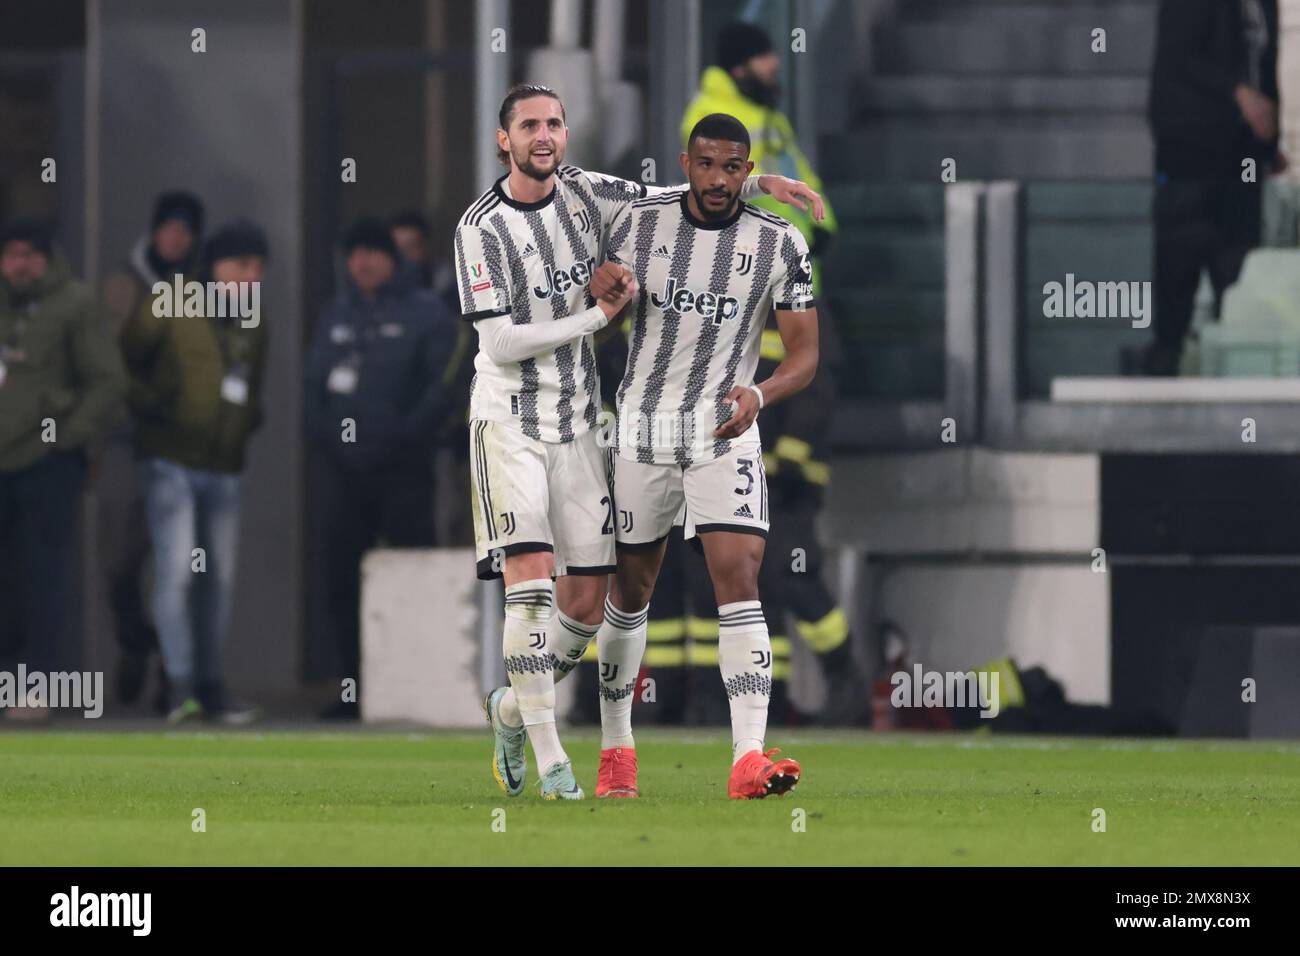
[755, 776]
[617, 774]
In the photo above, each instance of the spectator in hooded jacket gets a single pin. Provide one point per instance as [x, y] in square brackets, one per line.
[196, 383]
[60, 379]
[170, 247]
[374, 402]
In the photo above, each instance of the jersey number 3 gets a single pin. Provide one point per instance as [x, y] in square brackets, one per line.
[745, 471]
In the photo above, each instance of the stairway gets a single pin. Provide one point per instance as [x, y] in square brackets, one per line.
[1009, 89]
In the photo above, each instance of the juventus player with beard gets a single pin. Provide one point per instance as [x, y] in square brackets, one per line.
[525, 253]
[706, 269]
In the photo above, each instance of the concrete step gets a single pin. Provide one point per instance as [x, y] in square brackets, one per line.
[960, 96]
[1018, 41]
[883, 314]
[985, 9]
[1072, 351]
[993, 148]
[918, 204]
[899, 255]
[1089, 202]
[892, 372]
[893, 342]
[1099, 251]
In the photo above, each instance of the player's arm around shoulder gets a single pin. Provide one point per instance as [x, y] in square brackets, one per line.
[791, 192]
[606, 187]
[611, 194]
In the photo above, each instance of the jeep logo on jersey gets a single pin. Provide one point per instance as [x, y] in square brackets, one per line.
[683, 301]
[560, 281]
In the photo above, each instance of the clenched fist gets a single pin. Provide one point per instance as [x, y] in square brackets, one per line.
[609, 281]
[613, 286]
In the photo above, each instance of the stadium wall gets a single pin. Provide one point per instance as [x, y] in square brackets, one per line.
[978, 553]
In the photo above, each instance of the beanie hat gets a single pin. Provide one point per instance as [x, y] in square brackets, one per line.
[36, 234]
[739, 42]
[178, 205]
[370, 233]
[241, 238]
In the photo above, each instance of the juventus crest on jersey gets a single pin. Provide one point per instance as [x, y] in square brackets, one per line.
[533, 262]
[707, 289]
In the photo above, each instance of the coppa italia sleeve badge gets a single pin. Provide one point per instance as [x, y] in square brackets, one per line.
[478, 279]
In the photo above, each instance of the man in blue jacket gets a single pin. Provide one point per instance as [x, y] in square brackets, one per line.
[374, 401]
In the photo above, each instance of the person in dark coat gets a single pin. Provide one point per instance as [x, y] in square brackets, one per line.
[374, 402]
[1214, 116]
[60, 381]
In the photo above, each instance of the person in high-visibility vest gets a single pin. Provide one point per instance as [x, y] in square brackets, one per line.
[744, 83]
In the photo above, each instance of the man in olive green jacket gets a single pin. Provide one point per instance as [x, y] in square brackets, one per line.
[195, 392]
[60, 378]
[170, 247]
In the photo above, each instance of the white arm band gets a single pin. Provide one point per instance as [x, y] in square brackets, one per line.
[759, 392]
[504, 342]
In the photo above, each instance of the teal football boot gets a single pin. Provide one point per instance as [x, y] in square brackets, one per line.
[509, 754]
[558, 783]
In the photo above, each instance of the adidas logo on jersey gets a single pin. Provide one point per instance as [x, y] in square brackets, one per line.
[743, 512]
[709, 305]
[661, 253]
[528, 251]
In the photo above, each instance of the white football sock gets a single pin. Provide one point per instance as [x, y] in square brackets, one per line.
[528, 665]
[620, 645]
[745, 659]
[508, 709]
[567, 640]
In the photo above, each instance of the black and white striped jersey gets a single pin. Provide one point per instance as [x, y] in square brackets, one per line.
[706, 292]
[533, 262]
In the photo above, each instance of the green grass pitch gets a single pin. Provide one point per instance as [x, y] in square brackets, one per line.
[121, 798]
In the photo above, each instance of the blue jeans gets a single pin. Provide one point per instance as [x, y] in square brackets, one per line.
[189, 508]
